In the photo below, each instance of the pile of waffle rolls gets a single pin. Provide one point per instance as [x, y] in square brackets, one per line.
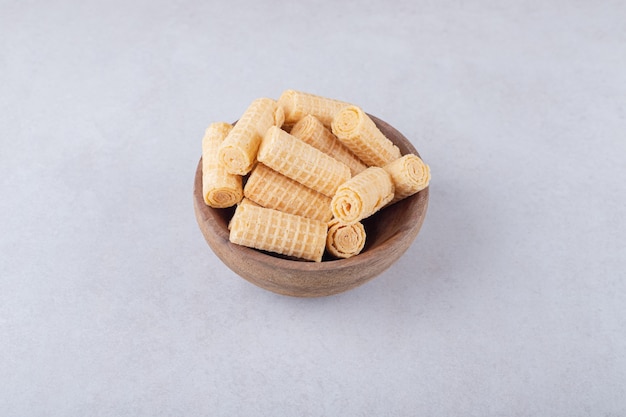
[303, 172]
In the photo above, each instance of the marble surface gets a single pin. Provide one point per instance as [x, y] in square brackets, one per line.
[511, 302]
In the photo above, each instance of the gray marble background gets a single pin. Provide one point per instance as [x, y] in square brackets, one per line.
[511, 302]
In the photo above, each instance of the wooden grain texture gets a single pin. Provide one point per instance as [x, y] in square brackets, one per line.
[390, 232]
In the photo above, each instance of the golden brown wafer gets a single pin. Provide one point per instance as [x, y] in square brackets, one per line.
[273, 190]
[345, 240]
[409, 175]
[310, 130]
[358, 132]
[362, 195]
[301, 162]
[238, 151]
[219, 188]
[246, 201]
[297, 104]
[274, 231]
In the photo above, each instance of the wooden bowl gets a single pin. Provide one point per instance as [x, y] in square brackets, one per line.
[390, 232]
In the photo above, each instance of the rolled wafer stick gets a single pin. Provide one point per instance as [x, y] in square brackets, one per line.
[219, 188]
[345, 240]
[409, 175]
[310, 130]
[275, 231]
[362, 195]
[297, 104]
[301, 162]
[273, 190]
[239, 149]
[359, 133]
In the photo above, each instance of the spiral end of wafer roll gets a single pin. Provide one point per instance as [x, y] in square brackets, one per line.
[409, 174]
[362, 195]
[347, 122]
[417, 171]
[304, 127]
[343, 240]
[235, 160]
[358, 132]
[347, 205]
[222, 197]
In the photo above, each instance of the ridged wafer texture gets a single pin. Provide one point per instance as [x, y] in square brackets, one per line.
[358, 132]
[273, 190]
[220, 189]
[362, 195]
[345, 240]
[297, 104]
[239, 149]
[246, 201]
[409, 175]
[301, 162]
[313, 132]
[274, 231]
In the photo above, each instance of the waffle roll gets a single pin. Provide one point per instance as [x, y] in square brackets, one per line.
[362, 195]
[345, 240]
[409, 175]
[273, 190]
[238, 151]
[358, 132]
[310, 130]
[301, 162]
[297, 104]
[274, 231]
[220, 188]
